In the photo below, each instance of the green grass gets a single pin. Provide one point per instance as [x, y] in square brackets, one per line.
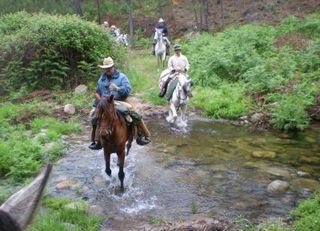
[28, 138]
[144, 75]
[58, 216]
[226, 101]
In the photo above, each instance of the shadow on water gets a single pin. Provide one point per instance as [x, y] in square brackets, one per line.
[212, 168]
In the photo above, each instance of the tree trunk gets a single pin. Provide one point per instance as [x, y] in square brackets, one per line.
[98, 6]
[131, 26]
[222, 14]
[78, 8]
[205, 14]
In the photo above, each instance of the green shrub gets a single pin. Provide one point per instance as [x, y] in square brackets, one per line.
[228, 101]
[53, 52]
[290, 114]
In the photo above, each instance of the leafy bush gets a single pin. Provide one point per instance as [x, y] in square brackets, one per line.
[290, 114]
[227, 101]
[43, 51]
[259, 59]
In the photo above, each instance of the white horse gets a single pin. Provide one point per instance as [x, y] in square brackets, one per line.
[123, 39]
[160, 48]
[179, 100]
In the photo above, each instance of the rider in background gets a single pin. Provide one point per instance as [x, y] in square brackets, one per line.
[161, 25]
[113, 30]
[178, 63]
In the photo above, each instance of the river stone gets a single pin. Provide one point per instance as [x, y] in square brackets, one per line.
[310, 159]
[303, 174]
[95, 210]
[264, 154]
[81, 89]
[278, 172]
[278, 186]
[69, 109]
[66, 184]
[301, 183]
[256, 117]
[76, 206]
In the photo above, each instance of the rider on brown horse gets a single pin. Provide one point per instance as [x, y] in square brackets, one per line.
[113, 82]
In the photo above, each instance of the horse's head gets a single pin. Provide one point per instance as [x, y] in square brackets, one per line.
[185, 85]
[106, 115]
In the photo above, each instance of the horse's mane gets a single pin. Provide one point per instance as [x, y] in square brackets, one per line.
[106, 104]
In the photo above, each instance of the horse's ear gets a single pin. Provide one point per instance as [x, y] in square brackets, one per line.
[111, 98]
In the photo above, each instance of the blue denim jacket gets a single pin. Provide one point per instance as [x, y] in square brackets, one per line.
[119, 79]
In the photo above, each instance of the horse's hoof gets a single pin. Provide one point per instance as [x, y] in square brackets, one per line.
[108, 173]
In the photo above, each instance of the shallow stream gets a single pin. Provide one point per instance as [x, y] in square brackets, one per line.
[211, 169]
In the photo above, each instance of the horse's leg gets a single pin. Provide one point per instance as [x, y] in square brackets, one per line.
[174, 111]
[107, 160]
[164, 58]
[121, 157]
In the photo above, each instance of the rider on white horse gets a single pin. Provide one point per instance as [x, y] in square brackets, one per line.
[161, 25]
[178, 63]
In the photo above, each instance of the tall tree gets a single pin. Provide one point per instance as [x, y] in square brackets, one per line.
[78, 8]
[131, 26]
[98, 9]
[222, 13]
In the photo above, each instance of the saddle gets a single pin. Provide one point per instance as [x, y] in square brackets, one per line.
[170, 89]
[125, 110]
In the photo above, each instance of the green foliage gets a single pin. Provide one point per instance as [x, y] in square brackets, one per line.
[23, 153]
[247, 56]
[53, 52]
[290, 114]
[194, 207]
[49, 6]
[59, 217]
[307, 214]
[227, 101]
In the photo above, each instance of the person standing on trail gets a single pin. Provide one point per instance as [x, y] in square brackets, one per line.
[113, 82]
[177, 63]
[161, 25]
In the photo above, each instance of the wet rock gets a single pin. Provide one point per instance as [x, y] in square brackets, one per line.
[81, 89]
[98, 180]
[278, 186]
[76, 206]
[310, 159]
[303, 174]
[264, 154]
[95, 210]
[66, 184]
[256, 117]
[205, 224]
[300, 184]
[69, 109]
[278, 172]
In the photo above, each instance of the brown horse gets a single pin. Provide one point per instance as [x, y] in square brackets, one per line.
[115, 133]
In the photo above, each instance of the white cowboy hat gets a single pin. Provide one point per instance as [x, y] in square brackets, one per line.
[107, 63]
[161, 20]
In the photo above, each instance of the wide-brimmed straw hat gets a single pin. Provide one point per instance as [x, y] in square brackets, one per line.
[161, 20]
[107, 63]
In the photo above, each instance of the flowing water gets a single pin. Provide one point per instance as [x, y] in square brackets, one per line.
[211, 169]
